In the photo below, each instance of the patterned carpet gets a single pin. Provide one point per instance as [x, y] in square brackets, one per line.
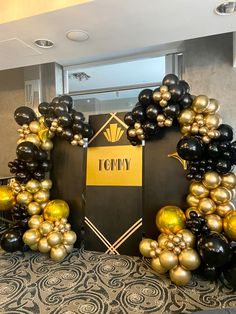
[91, 282]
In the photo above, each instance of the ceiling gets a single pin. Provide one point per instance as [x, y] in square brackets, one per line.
[116, 28]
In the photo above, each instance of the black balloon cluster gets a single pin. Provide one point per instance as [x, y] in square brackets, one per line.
[197, 224]
[157, 108]
[20, 216]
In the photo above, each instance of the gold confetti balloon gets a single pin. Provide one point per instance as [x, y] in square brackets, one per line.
[56, 210]
[24, 198]
[211, 180]
[221, 195]
[32, 186]
[180, 276]
[168, 259]
[34, 208]
[46, 227]
[156, 266]
[58, 253]
[229, 224]
[69, 237]
[35, 221]
[43, 245]
[170, 219]
[229, 180]
[198, 190]
[7, 199]
[31, 237]
[214, 222]
[41, 196]
[145, 247]
[223, 209]
[189, 259]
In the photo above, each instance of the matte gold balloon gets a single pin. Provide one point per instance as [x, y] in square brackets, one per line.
[46, 184]
[31, 236]
[192, 200]
[211, 180]
[35, 221]
[58, 253]
[229, 180]
[162, 238]
[229, 224]
[168, 259]
[206, 206]
[156, 96]
[180, 276]
[212, 121]
[170, 219]
[198, 190]
[156, 266]
[200, 103]
[41, 196]
[48, 145]
[189, 210]
[188, 237]
[32, 186]
[69, 237]
[224, 209]
[34, 126]
[212, 107]
[214, 222]
[186, 116]
[46, 227]
[33, 138]
[24, 198]
[56, 209]
[221, 195]
[43, 246]
[54, 238]
[189, 259]
[145, 247]
[7, 199]
[34, 208]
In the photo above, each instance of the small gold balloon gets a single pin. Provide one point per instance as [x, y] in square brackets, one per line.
[198, 190]
[145, 247]
[43, 245]
[34, 208]
[156, 266]
[212, 121]
[163, 89]
[192, 200]
[211, 180]
[214, 222]
[180, 276]
[55, 210]
[34, 126]
[166, 96]
[7, 199]
[48, 145]
[168, 123]
[170, 219]
[200, 103]
[156, 96]
[203, 130]
[185, 129]
[69, 238]
[223, 209]
[212, 107]
[162, 238]
[137, 125]
[221, 195]
[32, 186]
[54, 238]
[46, 227]
[188, 237]
[160, 118]
[177, 250]
[31, 236]
[35, 221]
[189, 210]
[163, 103]
[139, 131]
[229, 224]
[206, 206]
[33, 138]
[189, 259]
[229, 180]
[58, 253]
[41, 196]
[46, 184]
[24, 198]
[154, 244]
[186, 116]
[168, 259]
[132, 132]
[69, 248]
[206, 139]
[194, 129]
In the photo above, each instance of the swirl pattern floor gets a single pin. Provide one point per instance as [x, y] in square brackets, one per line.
[92, 282]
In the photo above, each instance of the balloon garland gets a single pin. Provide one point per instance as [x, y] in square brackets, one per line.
[205, 232]
[40, 223]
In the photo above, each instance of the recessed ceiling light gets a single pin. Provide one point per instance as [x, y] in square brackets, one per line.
[44, 43]
[226, 8]
[77, 35]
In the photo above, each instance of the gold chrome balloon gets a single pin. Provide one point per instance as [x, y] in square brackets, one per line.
[162, 238]
[170, 219]
[41, 196]
[24, 198]
[32, 186]
[145, 247]
[200, 103]
[7, 199]
[43, 246]
[189, 210]
[33, 138]
[35, 221]
[34, 208]
[229, 224]
[180, 276]
[46, 227]
[214, 222]
[212, 121]
[156, 266]
[185, 129]
[69, 237]
[212, 107]
[192, 200]
[55, 210]
[229, 180]
[58, 253]
[221, 195]
[188, 237]
[168, 259]
[48, 145]
[198, 190]
[189, 259]
[46, 184]
[54, 238]
[224, 209]
[206, 206]
[186, 116]
[132, 133]
[31, 237]
[34, 126]
[211, 180]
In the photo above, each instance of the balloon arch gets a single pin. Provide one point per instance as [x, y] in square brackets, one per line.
[200, 237]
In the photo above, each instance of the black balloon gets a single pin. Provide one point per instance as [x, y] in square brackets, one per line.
[176, 92]
[152, 111]
[87, 131]
[226, 132]
[27, 151]
[210, 273]
[11, 241]
[172, 110]
[45, 165]
[42, 155]
[190, 148]
[60, 108]
[145, 97]
[213, 150]
[64, 119]
[229, 271]
[150, 128]
[67, 134]
[22, 176]
[223, 166]
[170, 79]
[24, 115]
[77, 116]
[138, 114]
[55, 101]
[186, 101]
[128, 118]
[67, 100]
[78, 127]
[48, 119]
[32, 166]
[39, 175]
[185, 87]
[43, 108]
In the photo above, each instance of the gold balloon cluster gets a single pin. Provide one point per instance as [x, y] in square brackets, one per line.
[137, 131]
[161, 97]
[16, 186]
[163, 121]
[201, 119]
[77, 140]
[51, 233]
[211, 198]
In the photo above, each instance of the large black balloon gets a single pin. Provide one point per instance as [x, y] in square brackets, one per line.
[170, 79]
[45, 165]
[78, 127]
[172, 110]
[48, 119]
[229, 271]
[186, 101]
[64, 119]
[67, 100]
[42, 155]
[24, 115]
[152, 111]
[150, 128]
[214, 250]
[190, 148]
[185, 87]
[43, 108]
[213, 150]
[11, 241]
[138, 114]
[55, 101]
[77, 116]
[223, 166]
[22, 176]
[145, 97]
[27, 151]
[60, 108]
[176, 92]
[32, 166]
[87, 131]
[128, 118]
[210, 273]
[67, 134]
[226, 132]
